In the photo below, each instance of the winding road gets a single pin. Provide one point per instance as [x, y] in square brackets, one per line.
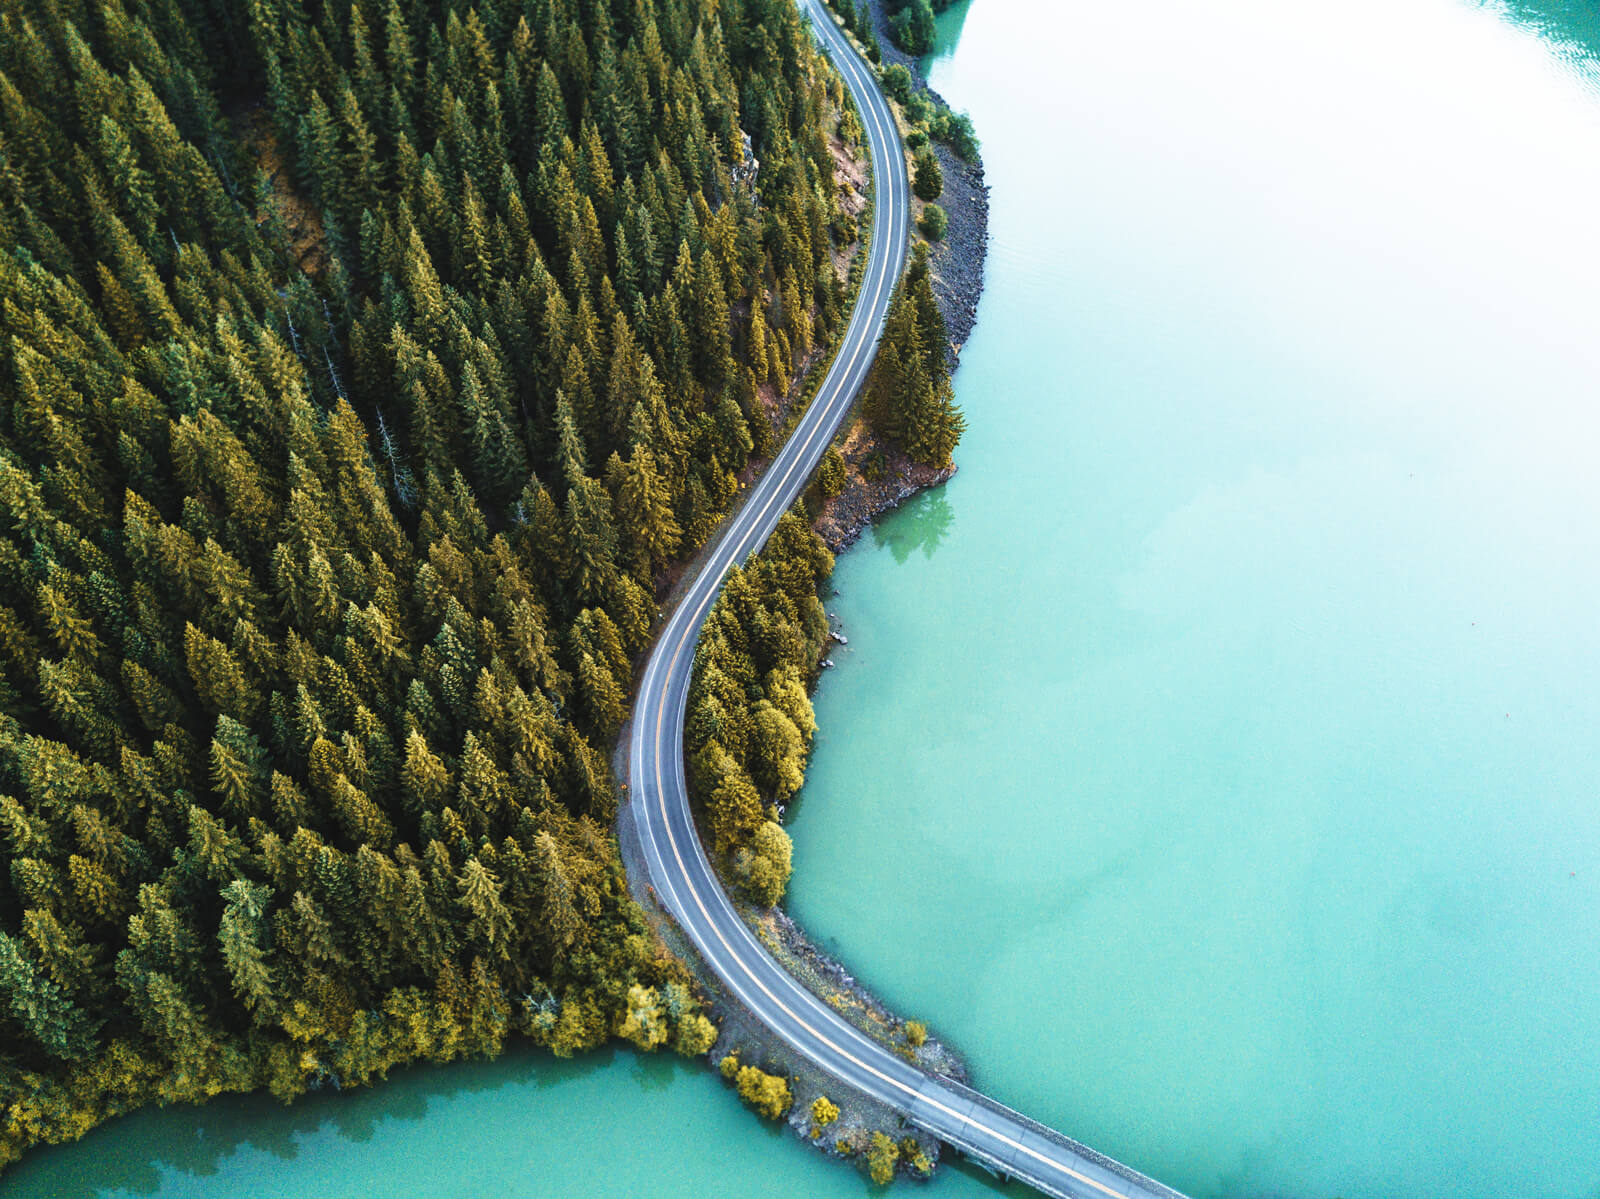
[678, 869]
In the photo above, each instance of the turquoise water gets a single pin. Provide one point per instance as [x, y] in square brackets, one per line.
[1213, 760]
[616, 1124]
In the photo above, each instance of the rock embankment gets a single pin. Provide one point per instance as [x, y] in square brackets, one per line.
[879, 476]
[959, 259]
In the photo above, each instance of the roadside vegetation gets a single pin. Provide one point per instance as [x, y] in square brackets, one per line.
[766, 1094]
[908, 396]
[369, 361]
[750, 724]
[911, 25]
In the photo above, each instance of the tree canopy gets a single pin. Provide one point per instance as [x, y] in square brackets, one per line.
[320, 588]
[908, 396]
[750, 724]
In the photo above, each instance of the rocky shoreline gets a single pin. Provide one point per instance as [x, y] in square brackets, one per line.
[879, 478]
[958, 260]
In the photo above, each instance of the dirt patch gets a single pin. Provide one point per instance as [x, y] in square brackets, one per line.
[779, 406]
[302, 223]
[851, 173]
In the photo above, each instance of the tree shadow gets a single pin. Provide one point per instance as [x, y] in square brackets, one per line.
[949, 24]
[978, 1176]
[922, 525]
[659, 1071]
[140, 1153]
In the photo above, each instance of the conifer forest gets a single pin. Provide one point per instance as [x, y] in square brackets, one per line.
[367, 365]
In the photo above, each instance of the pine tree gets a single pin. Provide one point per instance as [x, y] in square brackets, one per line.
[757, 343]
[559, 920]
[591, 539]
[40, 1007]
[927, 181]
[218, 678]
[320, 158]
[549, 112]
[285, 600]
[479, 896]
[239, 768]
[645, 518]
[363, 170]
[239, 935]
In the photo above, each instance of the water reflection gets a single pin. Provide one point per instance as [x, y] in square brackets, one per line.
[1571, 28]
[1574, 23]
[921, 525]
[949, 25]
[168, 1151]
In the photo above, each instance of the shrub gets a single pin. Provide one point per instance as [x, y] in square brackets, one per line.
[695, 1035]
[934, 223]
[824, 1111]
[927, 181]
[883, 1155]
[766, 1093]
[911, 1153]
[897, 83]
[956, 129]
[645, 1024]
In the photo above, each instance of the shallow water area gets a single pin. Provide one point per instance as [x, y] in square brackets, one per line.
[613, 1124]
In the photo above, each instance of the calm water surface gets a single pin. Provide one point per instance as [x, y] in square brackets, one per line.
[1214, 758]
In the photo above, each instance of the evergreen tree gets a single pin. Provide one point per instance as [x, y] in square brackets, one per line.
[927, 180]
[913, 27]
[315, 617]
[908, 396]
